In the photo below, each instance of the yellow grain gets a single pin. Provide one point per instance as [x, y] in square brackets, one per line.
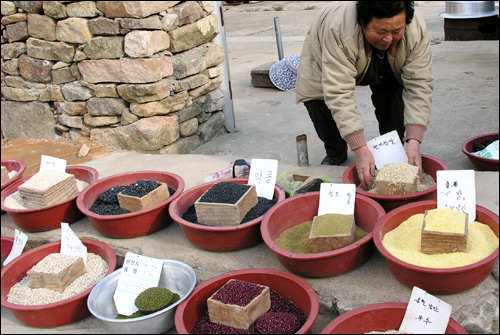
[445, 220]
[404, 243]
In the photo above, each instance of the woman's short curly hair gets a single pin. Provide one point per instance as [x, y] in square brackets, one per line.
[367, 10]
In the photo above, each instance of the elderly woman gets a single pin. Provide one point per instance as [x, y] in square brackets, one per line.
[383, 44]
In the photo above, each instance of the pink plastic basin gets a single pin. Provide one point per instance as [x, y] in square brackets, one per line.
[301, 208]
[286, 284]
[58, 313]
[377, 317]
[429, 164]
[434, 281]
[14, 165]
[134, 224]
[481, 163]
[49, 217]
[227, 238]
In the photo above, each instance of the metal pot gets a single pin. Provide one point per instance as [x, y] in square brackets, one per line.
[469, 9]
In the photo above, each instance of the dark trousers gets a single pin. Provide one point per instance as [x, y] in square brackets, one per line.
[389, 110]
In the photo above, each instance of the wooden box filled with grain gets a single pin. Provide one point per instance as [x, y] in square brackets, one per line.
[134, 204]
[225, 204]
[5, 175]
[239, 303]
[56, 271]
[397, 179]
[48, 187]
[331, 232]
[444, 231]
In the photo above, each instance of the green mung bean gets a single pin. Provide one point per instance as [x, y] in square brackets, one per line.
[153, 298]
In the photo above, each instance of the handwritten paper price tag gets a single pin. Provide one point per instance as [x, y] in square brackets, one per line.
[137, 274]
[386, 149]
[20, 240]
[71, 244]
[48, 162]
[263, 176]
[425, 314]
[456, 189]
[336, 198]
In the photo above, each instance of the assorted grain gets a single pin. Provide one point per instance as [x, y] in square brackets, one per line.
[54, 263]
[22, 294]
[404, 243]
[426, 183]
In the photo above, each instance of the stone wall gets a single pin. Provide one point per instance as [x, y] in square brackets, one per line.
[139, 75]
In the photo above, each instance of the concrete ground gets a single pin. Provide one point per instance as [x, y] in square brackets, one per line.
[465, 105]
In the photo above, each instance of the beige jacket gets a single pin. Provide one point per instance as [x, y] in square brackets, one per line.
[334, 59]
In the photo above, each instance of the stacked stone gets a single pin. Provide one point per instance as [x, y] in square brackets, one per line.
[138, 75]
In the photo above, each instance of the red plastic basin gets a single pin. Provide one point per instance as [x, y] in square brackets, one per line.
[286, 284]
[434, 281]
[14, 165]
[134, 224]
[7, 243]
[301, 208]
[227, 238]
[377, 317]
[58, 313]
[49, 217]
[481, 163]
[429, 165]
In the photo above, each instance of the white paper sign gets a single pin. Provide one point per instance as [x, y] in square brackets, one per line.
[456, 189]
[336, 198]
[20, 240]
[137, 274]
[386, 149]
[71, 244]
[53, 163]
[263, 176]
[425, 314]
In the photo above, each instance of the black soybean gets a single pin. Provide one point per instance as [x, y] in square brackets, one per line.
[107, 202]
[224, 193]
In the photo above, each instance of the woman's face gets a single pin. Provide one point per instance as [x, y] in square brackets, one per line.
[384, 33]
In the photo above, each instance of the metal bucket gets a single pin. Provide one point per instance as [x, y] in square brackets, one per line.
[469, 9]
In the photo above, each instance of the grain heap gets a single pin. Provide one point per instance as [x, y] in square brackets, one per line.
[5, 175]
[22, 294]
[48, 187]
[280, 306]
[332, 231]
[107, 203]
[404, 242]
[225, 204]
[153, 299]
[239, 304]
[14, 200]
[296, 239]
[56, 271]
[397, 179]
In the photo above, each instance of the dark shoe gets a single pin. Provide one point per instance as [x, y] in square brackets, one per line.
[334, 160]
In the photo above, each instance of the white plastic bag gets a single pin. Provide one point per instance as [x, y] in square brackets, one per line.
[491, 151]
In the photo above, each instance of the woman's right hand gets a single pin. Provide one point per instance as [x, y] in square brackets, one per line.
[365, 166]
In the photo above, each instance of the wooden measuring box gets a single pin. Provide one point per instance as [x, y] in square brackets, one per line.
[239, 316]
[219, 214]
[5, 175]
[135, 204]
[324, 243]
[437, 242]
[57, 281]
[63, 187]
[397, 179]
